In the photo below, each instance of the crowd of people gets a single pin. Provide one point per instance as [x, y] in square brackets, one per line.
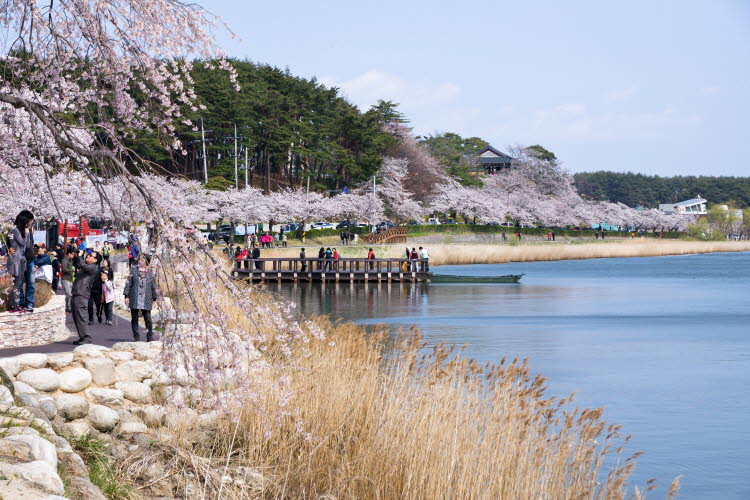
[84, 274]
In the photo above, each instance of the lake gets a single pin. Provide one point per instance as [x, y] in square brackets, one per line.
[662, 343]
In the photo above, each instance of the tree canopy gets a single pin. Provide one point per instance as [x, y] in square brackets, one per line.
[650, 190]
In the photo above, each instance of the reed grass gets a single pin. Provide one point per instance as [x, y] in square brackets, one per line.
[455, 254]
[384, 420]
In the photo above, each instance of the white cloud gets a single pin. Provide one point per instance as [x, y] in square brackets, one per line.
[713, 89]
[429, 105]
[619, 94]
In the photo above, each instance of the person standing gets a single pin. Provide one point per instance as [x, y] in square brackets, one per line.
[426, 257]
[256, 256]
[321, 256]
[505, 237]
[553, 236]
[335, 256]
[304, 262]
[68, 269]
[12, 267]
[140, 294]
[56, 257]
[134, 253]
[108, 296]
[106, 251]
[22, 239]
[371, 258]
[87, 269]
[329, 257]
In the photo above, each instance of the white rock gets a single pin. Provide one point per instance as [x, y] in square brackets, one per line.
[102, 370]
[133, 371]
[91, 348]
[32, 360]
[108, 397]
[60, 360]
[77, 429]
[130, 346]
[102, 418]
[44, 425]
[6, 398]
[48, 407]
[23, 388]
[208, 420]
[10, 365]
[18, 431]
[119, 355]
[135, 391]
[132, 427]
[41, 449]
[38, 472]
[153, 415]
[71, 406]
[41, 379]
[75, 380]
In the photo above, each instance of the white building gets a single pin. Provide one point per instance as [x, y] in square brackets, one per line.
[695, 206]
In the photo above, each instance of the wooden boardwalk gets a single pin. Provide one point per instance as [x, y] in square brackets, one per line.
[392, 235]
[295, 269]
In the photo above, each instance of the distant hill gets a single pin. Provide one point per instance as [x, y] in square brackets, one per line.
[650, 190]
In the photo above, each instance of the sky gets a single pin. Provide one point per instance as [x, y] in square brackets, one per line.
[652, 87]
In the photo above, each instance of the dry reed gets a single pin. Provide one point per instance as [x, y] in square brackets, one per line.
[455, 254]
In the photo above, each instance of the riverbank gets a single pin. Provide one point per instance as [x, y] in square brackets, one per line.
[499, 253]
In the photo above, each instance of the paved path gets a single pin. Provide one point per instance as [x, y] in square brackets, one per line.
[101, 334]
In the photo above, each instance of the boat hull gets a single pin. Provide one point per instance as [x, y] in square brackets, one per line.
[445, 278]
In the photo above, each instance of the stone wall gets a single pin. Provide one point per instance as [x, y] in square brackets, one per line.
[44, 326]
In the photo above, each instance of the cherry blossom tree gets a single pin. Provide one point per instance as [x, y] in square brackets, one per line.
[398, 201]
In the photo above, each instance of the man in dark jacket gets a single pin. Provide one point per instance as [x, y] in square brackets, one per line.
[140, 294]
[256, 255]
[87, 266]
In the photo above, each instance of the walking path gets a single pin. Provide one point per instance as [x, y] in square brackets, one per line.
[101, 334]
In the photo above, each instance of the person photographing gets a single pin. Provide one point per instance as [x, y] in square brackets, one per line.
[87, 270]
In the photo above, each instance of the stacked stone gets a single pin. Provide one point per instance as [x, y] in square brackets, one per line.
[44, 326]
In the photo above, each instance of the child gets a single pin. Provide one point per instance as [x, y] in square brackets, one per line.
[12, 267]
[108, 296]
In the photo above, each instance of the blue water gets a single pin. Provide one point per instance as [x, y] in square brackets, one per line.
[662, 343]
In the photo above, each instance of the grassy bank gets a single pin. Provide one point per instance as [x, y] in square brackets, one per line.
[446, 254]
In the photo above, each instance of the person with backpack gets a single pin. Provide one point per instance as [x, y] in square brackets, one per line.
[134, 253]
[321, 255]
[329, 256]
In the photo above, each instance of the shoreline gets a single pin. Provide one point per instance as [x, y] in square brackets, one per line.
[442, 254]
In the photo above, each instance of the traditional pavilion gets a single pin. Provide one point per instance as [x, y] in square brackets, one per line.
[492, 161]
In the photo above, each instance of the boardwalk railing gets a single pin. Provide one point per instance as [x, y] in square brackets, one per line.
[313, 269]
[392, 235]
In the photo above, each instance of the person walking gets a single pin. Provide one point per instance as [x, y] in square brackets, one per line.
[304, 262]
[22, 239]
[87, 268]
[140, 294]
[67, 270]
[283, 240]
[505, 236]
[371, 258]
[553, 236]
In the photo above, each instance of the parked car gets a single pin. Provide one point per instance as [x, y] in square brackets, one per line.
[345, 224]
[433, 221]
[322, 225]
[448, 221]
[414, 223]
[291, 227]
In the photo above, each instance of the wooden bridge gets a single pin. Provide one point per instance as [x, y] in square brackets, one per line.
[295, 269]
[392, 235]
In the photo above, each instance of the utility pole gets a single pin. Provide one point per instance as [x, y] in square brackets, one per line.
[308, 183]
[205, 161]
[247, 165]
[236, 173]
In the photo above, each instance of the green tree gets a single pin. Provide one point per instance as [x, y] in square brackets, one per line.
[458, 154]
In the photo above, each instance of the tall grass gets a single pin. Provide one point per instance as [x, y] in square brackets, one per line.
[383, 420]
[453, 254]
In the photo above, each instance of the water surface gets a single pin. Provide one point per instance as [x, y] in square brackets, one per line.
[663, 343]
